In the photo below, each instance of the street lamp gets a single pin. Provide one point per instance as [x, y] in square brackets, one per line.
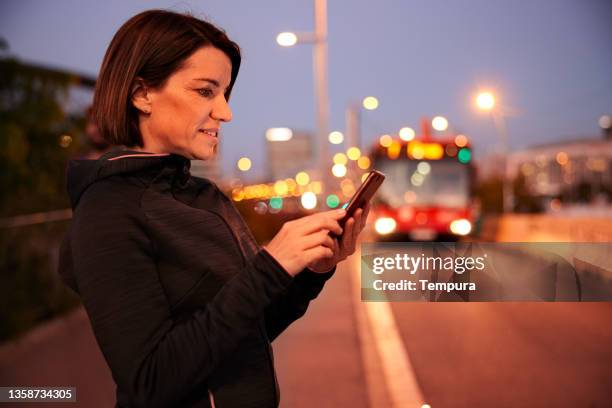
[485, 101]
[370, 102]
[319, 41]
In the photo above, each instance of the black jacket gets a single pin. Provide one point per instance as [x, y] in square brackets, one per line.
[182, 300]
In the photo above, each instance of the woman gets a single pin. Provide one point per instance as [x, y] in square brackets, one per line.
[182, 300]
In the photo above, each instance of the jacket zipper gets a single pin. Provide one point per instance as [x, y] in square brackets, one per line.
[211, 398]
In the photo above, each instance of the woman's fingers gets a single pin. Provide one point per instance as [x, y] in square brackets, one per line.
[318, 238]
[352, 229]
[316, 253]
[325, 220]
[347, 237]
[364, 216]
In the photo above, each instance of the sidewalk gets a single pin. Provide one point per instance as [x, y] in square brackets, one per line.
[60, 353]
[318, 358]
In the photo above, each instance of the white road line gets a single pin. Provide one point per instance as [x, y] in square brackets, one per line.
[389, 374]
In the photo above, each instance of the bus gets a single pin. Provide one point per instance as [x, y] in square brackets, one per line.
[429, 190]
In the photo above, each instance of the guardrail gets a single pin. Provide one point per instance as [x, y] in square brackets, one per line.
[36, 218]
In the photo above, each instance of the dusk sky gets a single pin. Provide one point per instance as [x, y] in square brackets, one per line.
[549, 62]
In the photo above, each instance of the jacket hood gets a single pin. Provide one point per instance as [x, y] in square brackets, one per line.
[83, 173]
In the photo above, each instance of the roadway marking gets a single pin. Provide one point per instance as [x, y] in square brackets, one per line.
[389, 374]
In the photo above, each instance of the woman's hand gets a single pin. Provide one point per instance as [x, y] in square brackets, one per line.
[305, 241]
[348, 242]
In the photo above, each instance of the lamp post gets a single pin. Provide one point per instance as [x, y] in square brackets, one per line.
[353, 119]
[486, 102]
[319, 41]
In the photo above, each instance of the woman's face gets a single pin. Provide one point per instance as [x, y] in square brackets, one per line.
[185, 114]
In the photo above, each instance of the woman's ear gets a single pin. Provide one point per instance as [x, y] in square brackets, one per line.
[141, 96]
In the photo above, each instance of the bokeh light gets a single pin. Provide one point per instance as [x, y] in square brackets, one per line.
[336, 137]
[370, 103]
[339, 170]
[406, 134]
[439, 123]
[244, 164]
[353, 153]
[309, 200]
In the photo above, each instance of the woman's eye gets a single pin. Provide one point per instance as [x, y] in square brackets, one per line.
[205, 92]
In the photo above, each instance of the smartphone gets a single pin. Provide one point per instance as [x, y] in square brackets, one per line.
[364, 194]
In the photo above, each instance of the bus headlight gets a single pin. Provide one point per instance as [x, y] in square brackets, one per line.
[385, 225]
[461, 227]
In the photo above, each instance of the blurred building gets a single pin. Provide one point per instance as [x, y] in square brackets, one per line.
[209, 169]
[576, 171]
[490, 166]
[288, 156]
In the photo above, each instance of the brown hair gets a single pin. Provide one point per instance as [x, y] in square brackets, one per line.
[151, 45]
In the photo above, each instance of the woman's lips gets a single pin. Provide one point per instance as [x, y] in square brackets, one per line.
[210, 132]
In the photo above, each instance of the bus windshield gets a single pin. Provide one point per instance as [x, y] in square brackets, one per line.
[440, 183]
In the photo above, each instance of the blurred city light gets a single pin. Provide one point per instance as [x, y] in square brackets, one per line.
[364, 162]
[527, 169]
[348, 188]
[291, 183]
[555, 204]
[279, 134]
[464, 155]
[410, 197]
[433, 151]
[485, 100]
[339, 170]
[336, 137]
[605, 122]
[370, 103]
[385, 225]
[276, 203]
[244, 164]
[394, 150]
[416, 150]
[562, 158]
[353, 153]
[286, 39]
[309, 200]
[406, 134]
[261, 208]
[302, 178]
[451, 150]
[461, 140]
[439, 123]
[281, 188]
[417, 179]
[385, 140]
[461, 227]
[340, 158]
[237, 194]
[65, 140]
[332, 201]
[424, 168]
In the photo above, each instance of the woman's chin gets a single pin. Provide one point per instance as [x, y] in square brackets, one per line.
[203, 153]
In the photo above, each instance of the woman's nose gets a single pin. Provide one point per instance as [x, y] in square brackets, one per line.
[221, 110]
